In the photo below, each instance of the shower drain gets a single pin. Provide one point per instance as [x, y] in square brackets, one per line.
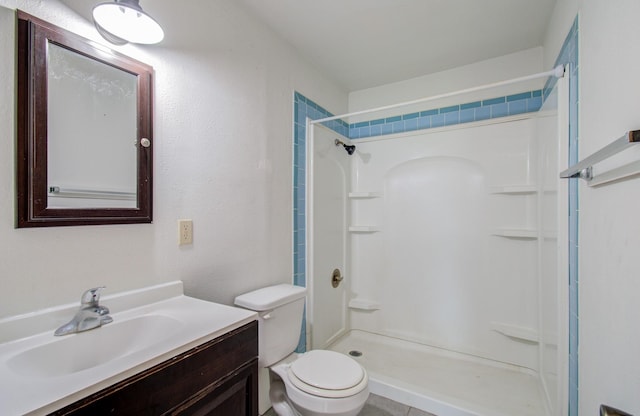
[355, 353]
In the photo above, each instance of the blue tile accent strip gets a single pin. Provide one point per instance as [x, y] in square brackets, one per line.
[494, 101]
[470, 105]
[499, 110]
[428, 113]
[450, 109]
[525, 102]
[517, 106]
[517, 97]
[569, 55]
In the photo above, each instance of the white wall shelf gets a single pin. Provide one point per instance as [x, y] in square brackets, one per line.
[524, 233]
[364, 304]
[364, 195]
[514, 190]
[363, 229]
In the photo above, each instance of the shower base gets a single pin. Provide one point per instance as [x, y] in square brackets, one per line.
[442, 382]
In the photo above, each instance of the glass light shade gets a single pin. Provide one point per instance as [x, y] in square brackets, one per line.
[125, 20]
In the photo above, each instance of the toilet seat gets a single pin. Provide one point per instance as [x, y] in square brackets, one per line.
[327, 374]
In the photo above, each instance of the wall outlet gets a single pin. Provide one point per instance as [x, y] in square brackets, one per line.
[185, 230]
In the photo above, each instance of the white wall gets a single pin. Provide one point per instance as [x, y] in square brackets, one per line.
[609, 237]
[506, 67]
[223, 138]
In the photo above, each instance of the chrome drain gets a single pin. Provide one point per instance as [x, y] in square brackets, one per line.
[355, 353]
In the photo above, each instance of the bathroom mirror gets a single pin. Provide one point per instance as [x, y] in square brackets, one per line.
[84, 133]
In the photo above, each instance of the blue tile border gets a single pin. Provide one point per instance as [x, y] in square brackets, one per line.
[569, 55]
[471, 105]
[525, 102]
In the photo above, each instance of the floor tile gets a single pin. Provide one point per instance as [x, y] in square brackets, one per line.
[416, 412]
[379, 406]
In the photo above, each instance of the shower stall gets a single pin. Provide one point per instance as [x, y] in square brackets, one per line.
[436, 258]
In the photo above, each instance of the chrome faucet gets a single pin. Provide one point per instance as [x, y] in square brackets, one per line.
[91, 314]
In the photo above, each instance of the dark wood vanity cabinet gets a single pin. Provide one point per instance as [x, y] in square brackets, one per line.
[217, 378]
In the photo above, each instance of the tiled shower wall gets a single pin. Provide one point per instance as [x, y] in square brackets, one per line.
[303, 107]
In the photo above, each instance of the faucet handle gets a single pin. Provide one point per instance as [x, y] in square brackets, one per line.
[91, 297]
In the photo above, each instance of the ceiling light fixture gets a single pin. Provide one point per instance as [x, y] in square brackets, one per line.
[123, 21]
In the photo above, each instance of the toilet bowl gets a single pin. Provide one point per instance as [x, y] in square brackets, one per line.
[315, 383]
[320, 383]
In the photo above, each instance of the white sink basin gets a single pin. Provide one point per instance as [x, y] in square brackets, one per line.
[84, 350]
[41, 373]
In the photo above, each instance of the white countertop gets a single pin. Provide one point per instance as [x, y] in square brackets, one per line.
[24, 389]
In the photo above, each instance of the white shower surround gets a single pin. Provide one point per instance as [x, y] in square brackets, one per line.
[452, 245]
[437, 216]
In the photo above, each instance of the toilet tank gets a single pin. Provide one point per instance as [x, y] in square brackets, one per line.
[280, 310]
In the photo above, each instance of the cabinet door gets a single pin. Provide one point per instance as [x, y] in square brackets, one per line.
[235, 396]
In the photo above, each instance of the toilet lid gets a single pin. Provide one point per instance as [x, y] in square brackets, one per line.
[327, 374]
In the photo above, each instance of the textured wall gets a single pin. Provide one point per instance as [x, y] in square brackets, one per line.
[223, 114]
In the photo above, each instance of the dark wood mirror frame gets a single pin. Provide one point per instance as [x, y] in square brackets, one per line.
[32, 211]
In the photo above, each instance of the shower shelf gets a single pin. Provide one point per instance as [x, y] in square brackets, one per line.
[364, 195]
[364, 229]
[523, 233]
[364, 304]
[514, 189]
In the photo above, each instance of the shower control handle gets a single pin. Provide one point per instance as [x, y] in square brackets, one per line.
[336, 278]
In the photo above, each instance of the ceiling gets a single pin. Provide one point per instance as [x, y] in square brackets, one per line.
[367, 43]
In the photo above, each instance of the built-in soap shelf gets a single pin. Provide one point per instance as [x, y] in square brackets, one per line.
[364, 304]
[514, 190]
[365, 195]
[364, 229]
[521, 233]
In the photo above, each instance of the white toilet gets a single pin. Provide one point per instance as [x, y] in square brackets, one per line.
[315, 383]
